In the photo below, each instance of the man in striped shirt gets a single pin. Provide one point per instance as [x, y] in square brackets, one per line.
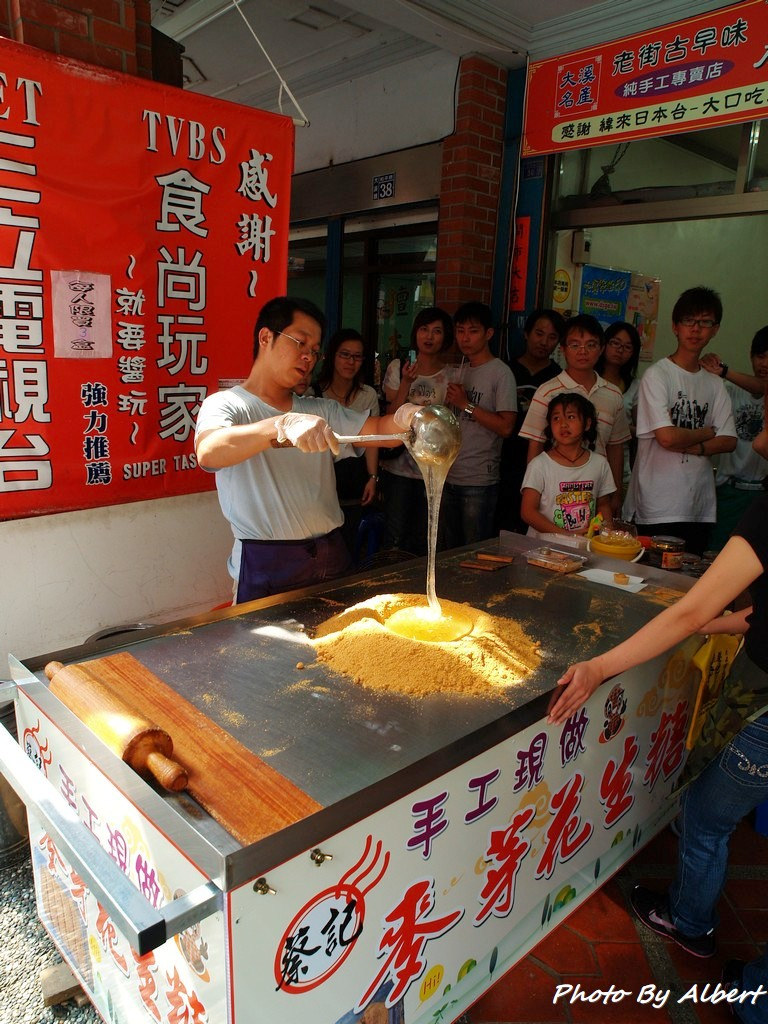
[582, 345]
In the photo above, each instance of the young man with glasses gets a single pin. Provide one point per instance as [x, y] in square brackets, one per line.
[582, 345]
[282, 504]
[684, 417]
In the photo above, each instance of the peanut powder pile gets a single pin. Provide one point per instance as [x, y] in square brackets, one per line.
[496, 653]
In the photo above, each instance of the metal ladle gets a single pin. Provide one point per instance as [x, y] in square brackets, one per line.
[434, 436]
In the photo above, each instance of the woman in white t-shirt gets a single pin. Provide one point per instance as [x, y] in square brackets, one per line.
[423, 382]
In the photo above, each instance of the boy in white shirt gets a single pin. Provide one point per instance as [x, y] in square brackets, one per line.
[683, 418]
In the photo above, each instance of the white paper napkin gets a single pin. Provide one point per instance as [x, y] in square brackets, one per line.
[636, 583]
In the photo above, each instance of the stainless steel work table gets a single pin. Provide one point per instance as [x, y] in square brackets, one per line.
[376, 763]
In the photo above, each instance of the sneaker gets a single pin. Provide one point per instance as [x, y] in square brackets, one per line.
[732, 977]
[653, 910]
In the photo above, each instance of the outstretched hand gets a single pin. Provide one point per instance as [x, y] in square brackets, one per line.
[306, 432]
[577, 684]
[712, 362]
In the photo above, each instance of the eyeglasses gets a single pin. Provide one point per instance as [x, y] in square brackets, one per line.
[305, 347]
[355, 357]
[692, 321]
[615, 343]
[586, 346]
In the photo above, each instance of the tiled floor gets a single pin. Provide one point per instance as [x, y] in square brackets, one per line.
[602, 945]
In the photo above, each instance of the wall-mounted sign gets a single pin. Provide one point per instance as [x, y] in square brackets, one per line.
[604, 293]
[383, 186]
[705, 71]
[141, 229]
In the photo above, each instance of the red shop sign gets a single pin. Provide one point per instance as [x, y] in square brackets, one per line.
[141, 229]
[698, 73]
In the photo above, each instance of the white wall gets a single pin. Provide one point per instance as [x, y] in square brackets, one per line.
[69, 575]
[727, 254]
[402, 106]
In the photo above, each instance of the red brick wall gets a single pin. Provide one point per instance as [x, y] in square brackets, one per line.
[469, 186]
[112, 34]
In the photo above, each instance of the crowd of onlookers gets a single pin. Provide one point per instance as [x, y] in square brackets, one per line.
[568, 430]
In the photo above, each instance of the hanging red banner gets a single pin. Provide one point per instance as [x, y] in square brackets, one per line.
[518, 271]
[702, 72]
[141, 229]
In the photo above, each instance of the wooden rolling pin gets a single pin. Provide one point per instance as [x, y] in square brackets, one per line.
[145, 747]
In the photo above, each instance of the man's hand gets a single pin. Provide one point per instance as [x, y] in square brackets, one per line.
[405, 414]
[306, 432]
[456, 396]
[578, 683]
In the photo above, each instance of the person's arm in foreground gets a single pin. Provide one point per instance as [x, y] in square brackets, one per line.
[733, 570]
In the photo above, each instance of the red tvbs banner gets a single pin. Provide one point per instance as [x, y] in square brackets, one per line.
[141, 229]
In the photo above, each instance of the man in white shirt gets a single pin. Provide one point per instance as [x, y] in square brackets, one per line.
[282, 504]
[683, 418]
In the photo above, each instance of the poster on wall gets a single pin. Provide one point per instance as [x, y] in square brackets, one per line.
[643, 311]
[141, 229]
[604, 293]
[702, 72]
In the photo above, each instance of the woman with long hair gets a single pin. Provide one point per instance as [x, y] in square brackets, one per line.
[543, 331]
[341, 380]
[423, 382]
[618, 365]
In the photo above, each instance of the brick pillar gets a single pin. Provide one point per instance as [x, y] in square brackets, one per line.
[469, 186]
[114, 34]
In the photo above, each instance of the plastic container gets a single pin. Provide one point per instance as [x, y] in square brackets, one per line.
[666, 552]
[615, 544]
[556, 561]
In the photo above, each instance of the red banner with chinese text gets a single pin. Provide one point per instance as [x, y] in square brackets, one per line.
[518, 271]
[141, 229]
[701, 72]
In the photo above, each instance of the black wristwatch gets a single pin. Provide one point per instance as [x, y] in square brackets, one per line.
[723, 369]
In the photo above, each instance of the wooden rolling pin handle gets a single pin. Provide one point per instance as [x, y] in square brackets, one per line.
[170, 774]
[139, 743]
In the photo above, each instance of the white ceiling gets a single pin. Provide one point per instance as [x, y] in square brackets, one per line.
[320, 44]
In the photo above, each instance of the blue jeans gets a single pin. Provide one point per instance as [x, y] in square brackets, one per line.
[405, 506]
[467, 514]
[713, 805]
[755, 973]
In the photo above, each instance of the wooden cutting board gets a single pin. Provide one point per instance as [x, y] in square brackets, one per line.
[242, 792]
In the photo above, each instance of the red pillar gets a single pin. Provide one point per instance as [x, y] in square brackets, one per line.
[114, 34]
[470, 183]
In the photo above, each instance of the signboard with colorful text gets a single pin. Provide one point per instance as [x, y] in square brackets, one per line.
[604, 293]
[702, 72]
[141, 229]
[429, 901]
